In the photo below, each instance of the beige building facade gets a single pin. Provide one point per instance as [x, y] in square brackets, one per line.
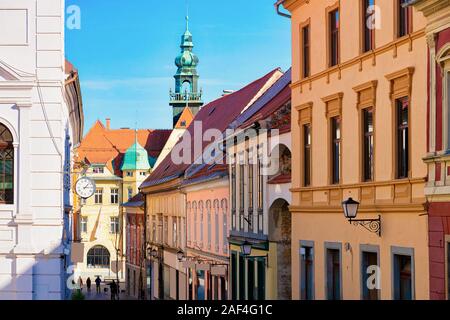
[359, 99]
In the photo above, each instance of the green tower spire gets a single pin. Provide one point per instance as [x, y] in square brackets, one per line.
[187, 93]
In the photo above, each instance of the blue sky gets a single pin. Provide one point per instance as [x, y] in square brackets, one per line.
[125, 53]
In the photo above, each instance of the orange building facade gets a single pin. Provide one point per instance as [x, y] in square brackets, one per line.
[359, 97]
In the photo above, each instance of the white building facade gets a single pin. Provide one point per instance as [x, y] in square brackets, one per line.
[40, 123]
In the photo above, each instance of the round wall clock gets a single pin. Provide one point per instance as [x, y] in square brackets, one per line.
[85, 187]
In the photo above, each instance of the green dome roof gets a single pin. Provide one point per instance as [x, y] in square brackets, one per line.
[186, 59]
[136, 158]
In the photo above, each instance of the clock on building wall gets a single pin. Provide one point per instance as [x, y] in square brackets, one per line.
[85, 187]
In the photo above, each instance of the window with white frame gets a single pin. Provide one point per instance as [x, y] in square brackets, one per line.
[98, 170]
[115, 225]
[98, 196]
[83, 224]
[114, 195]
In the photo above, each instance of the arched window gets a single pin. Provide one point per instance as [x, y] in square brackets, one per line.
[224, 206]
[189, 217]
[200, 208]
[98, 257]
[208, 213]
[194, 209]
[216, 220]
[6, 166]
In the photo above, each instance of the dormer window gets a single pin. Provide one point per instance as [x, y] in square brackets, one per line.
[98, 170]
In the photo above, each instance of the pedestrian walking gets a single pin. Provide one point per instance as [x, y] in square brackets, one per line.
[88, 284]
[80, 283]
[113, 289]
[97, 284]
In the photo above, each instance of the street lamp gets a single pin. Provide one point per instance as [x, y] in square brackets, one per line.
[180, 255]
[246, 248]
[153, 253]
[350, 207]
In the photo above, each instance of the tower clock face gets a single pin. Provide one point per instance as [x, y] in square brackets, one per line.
[85, 187]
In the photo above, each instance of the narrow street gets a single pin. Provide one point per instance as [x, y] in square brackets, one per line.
[104, 295]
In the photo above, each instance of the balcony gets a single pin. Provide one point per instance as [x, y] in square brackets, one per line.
[186, 97]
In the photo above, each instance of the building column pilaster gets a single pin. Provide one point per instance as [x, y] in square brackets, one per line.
[24, 216]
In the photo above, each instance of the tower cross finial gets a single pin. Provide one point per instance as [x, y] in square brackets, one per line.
[187, 15]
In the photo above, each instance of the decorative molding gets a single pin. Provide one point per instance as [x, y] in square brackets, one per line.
[357, 60]
[366, 94]
[333, 104]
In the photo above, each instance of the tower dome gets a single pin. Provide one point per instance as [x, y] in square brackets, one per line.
[136, 158]
[187, 94]
[186, 59]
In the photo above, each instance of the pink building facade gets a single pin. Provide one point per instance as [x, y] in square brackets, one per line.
[206, 257]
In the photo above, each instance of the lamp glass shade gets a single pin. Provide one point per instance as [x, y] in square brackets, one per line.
[350, 207]
[180, 255]
[246, 248]
[154, 253]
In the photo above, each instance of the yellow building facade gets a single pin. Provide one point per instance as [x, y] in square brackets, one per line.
[118, 161]
[359, 97]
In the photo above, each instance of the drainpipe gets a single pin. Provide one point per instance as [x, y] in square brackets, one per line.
[277, 7]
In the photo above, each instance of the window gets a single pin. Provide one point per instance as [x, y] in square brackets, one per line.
[194, 209]
[114, 196]
[369, 264]
[208, 213]
[98, 196]
[333, 272]
[143, 173]
[83, 224]
[233, 195]
[241, 196]
[98, 170]
[115, 227]
[224, 206]
[261, 274]
[305, 34]
[250, 279]
[153, 229]
[402, 106]
[234, 282]
[174, 232]
[367, 115]
[166, 230]
[307, 155]
[189, 216]
[403, 277]
[241, 186]
[129, 173]
[6, 166]
[334, 37]
[307, 272]
[250, 187]
[216, 223]
[98, 257]
[260, 181]
[130, 193]
[367, 27]
[335, 149]
[200, 208]
[404, 18]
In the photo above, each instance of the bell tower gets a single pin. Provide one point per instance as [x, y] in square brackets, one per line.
[187, 93]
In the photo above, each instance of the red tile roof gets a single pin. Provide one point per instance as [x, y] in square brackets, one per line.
[104, 146]
[218, 114]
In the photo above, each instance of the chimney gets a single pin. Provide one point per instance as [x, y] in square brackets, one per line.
[227, 92]
[108, 123]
